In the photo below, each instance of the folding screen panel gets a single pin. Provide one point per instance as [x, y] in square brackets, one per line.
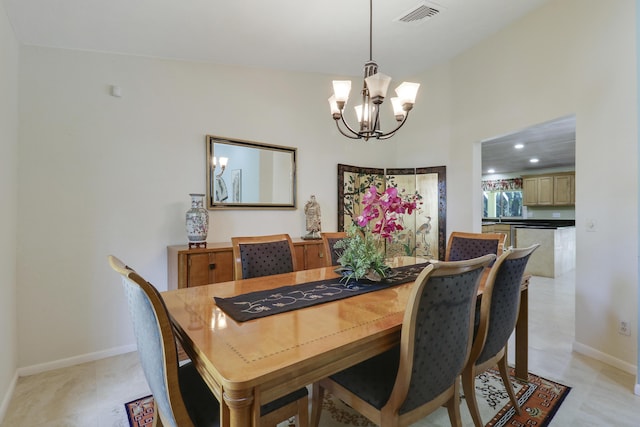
[424, 231]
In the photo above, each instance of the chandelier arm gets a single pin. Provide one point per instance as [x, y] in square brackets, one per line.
[391, 133]
[353, 131]
[358, 136]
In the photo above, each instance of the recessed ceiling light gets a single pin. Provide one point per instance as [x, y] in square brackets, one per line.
[491, 171]
[534, 160]
[518, 146]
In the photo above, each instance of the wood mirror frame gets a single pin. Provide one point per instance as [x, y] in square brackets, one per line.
[263, 176]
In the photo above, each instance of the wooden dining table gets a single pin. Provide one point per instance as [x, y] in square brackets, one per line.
[247, 364]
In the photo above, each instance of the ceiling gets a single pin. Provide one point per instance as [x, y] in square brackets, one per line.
[328, 36]
[552, 143]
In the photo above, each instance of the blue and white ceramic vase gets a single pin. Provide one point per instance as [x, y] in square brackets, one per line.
[197, 220]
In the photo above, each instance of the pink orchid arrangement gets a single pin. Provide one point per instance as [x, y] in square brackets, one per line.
[384, 208]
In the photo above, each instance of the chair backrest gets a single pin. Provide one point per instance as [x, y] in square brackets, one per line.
[437, 331]
[156, 345]
[463, 245]
[331, 254]
[259, 256]
[500, 303]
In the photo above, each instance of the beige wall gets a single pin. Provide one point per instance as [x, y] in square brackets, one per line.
[8, 206]
[568, 57]
[100, 175]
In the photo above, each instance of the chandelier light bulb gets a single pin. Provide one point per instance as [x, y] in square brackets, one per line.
[333, 105]
[407, 92]
[398, 111]
[362, 111]
[341, 89]
[378, 84]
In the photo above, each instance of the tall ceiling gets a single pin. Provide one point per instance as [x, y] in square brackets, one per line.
[328, 36]
[553, 143]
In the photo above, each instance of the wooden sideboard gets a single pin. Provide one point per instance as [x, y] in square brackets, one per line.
[214, 264]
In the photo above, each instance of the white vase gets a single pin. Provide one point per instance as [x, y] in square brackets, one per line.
[197, 220]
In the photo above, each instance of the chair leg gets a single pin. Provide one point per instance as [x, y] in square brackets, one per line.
[469, 389]
[453, 405]
[317, 396]
[302, 419]
[157, 422]
[504, 373]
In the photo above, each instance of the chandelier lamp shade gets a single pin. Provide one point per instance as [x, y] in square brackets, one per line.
[374, 92]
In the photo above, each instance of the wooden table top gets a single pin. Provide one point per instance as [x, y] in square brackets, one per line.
[253, 353]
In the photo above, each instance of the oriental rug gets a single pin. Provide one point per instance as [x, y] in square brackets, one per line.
[539, 399]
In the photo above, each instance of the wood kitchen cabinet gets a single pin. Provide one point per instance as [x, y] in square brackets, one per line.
[548, 190]
[214, 264]
[530, 191]
[563, 190]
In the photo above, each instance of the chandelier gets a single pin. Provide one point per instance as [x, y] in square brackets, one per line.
[373, 93]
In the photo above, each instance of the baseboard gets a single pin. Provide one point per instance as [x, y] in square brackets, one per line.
[7, 397]
[606, 358]
[76, 360]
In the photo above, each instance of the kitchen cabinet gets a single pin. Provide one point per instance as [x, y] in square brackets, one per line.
[214, 264]
[564, 190]
[548, 190]
[530, 191]
[556, 254]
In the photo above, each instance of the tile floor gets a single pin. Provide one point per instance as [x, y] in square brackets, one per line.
[92, 394]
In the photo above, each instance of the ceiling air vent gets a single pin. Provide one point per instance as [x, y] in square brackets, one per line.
[420, 12]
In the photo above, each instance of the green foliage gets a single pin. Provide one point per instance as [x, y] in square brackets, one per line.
[361, 255]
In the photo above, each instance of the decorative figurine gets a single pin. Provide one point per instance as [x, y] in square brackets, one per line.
[312, 213]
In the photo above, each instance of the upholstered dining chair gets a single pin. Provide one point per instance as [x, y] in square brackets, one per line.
[329, 239]
[258, 256]
[181, 397]
[463, 245]
[422, 373]
[498, 313]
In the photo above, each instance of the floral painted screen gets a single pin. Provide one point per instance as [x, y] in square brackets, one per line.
[425, 229]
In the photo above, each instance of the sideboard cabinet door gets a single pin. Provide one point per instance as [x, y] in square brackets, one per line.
[196, 267]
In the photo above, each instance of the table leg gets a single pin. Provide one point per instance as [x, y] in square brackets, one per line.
[522, 337]
[239, 403]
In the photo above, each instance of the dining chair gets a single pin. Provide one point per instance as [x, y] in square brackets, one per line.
[331, 254]
[464, 245]
[181, 397]
[258, 256]
[422, 373]
[496, 317]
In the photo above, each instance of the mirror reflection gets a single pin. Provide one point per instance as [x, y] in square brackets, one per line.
[247, 174]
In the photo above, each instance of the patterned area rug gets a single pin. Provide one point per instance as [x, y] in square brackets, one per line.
[539, 399]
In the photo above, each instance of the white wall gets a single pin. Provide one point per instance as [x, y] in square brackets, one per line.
[570, 56]
[103, 175]
[8, 206]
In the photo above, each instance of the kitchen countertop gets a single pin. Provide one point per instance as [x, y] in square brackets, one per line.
[533, 223]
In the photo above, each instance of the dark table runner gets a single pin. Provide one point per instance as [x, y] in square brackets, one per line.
[287, 298]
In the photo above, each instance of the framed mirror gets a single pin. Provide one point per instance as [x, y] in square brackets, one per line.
[250, 175]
